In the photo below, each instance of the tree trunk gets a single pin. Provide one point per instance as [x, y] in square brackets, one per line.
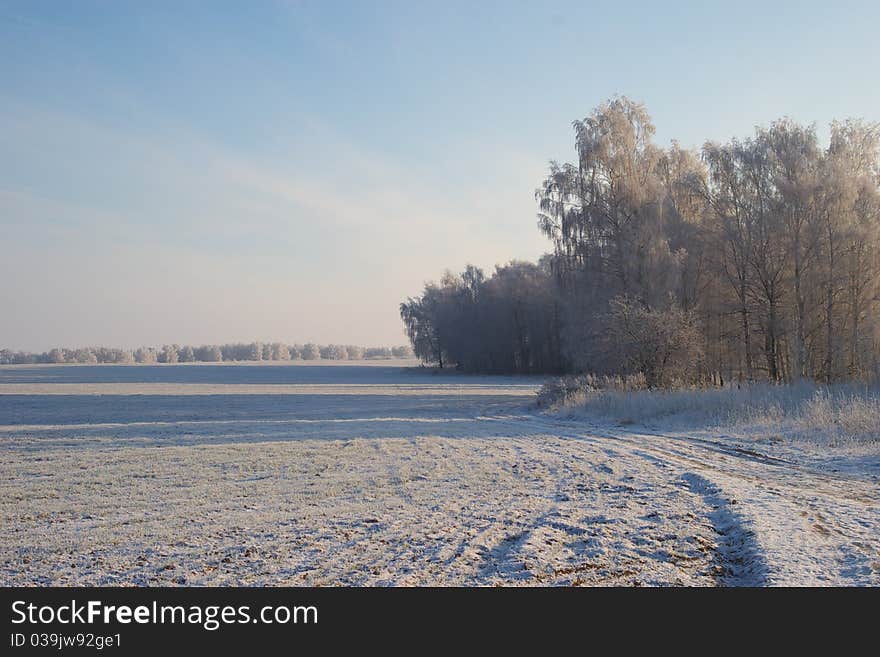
[747, 335]
[771, 344]
[829, 310]
[800, 333]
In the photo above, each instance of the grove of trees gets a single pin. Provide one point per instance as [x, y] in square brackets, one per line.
[252, 351]
[751, 259]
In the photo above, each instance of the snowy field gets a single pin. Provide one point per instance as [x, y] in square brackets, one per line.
[369, 474]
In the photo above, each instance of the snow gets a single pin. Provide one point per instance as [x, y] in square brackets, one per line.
[371, 474]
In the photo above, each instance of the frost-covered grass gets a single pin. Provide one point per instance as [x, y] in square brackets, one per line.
[838, 414]
[359, 475]
[419, 511]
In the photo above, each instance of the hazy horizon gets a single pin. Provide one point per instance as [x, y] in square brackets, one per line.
[293, 171]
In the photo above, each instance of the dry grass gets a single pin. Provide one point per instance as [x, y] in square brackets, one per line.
[833, 414]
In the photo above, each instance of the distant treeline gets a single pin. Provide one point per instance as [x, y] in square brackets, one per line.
[755, 259]
[253, 351]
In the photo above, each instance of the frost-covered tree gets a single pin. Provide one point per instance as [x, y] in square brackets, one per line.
[605, 213]
[402, 351]
[334, 352]
[665, 345]
[81, 355]
[423, 318]
[760, 254]
[56, 356]
[377, 353]
[503, 323]
[209, 354]
[310, 351]
[146, 355]
[169, 354]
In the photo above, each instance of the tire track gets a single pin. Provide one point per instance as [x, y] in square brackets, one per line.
[779, 501]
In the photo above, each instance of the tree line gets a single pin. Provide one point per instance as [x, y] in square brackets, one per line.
[239, 351]
[754, 259]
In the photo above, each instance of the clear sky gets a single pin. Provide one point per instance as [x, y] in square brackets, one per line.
[203, 172]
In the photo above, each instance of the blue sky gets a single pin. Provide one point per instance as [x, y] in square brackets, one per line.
[205, 172]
